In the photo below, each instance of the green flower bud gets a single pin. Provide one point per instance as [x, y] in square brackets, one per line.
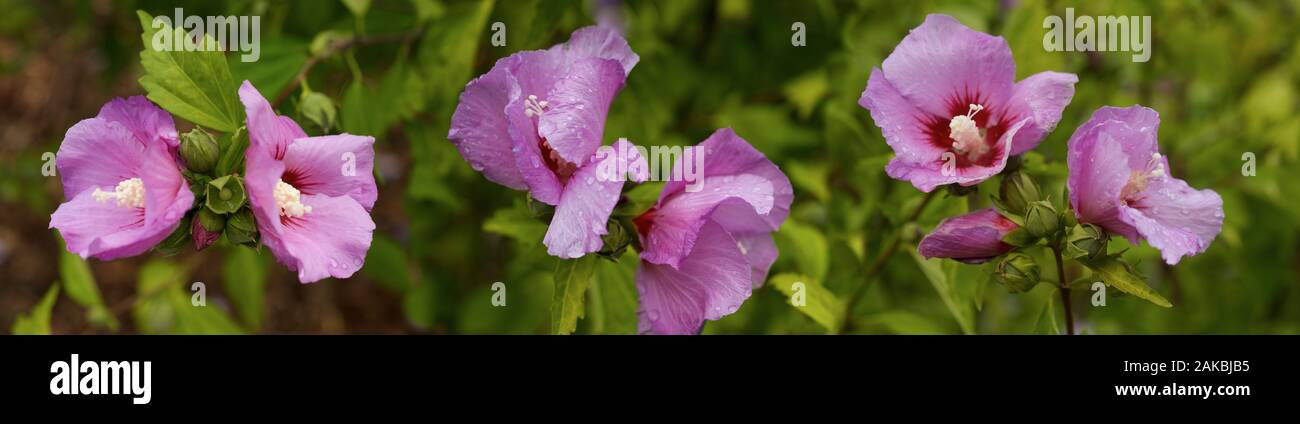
[1017, 271]
[199, 150]
[1018, 191]
[1086, 241]
[1041, 219]
[225, 194]
[241, 228]
[616, 239]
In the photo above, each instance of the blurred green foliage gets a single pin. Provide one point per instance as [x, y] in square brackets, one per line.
[1223, 75]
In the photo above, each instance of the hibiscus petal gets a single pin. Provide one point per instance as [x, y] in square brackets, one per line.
[726, 153]
[267, 132]
[147, 121]
[320, 165]
[1103, 153]
[262, 172]
[167, 196]
[100, 230]
[480, 130]
[678, 220]
[711, 283]
[583, 211]
[599, 42]
[760, 251]
[542, 183]
[926, 176]
[1175, 218]
[97, 153]
[329, 241]
[903, 125]
[973, 238]
[1042, 96]
[942, 59]
[575, 121]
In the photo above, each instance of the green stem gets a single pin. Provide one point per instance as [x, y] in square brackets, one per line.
[879, 263]
[1065, 290]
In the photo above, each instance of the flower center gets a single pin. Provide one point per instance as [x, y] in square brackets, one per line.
[1138, 180]
[129, 194]
[967, 137]
[534, 107]
[289, 200]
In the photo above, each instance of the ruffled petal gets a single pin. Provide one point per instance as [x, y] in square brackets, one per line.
[542, 183]
[1175, 218]
[167, 196]
[581, 217]
[943, 59]
[711, 283]
[1042, 97]
[101, 230]
[599, 42]
[575, 120]
[902, 123]
[926, 176]
[97, 153]
[677, 221]
[330, 241]
[480, 130]
[267, 132]
[760, 251]
[972, 238]
[321, 165]
[147, 121]
[1103, 154]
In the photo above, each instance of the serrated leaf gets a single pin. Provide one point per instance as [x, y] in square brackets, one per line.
[195, 85]
[516, 222]
[1115, 273]
[818, 303]
[37, 321]
[571, 280]
[612, 298]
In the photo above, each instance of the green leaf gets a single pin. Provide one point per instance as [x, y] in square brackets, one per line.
[358, 7]
[571, 280]
[818, 303]
[37, 321]
[245, 281]
[419, 304]
[611, 298]
[195, 85]
[516, 222]
[957, 294]
[79, 284]
[1118, 274]
[164, 304]
[449, 47]
[386, 264]
[903, 322]
[806, 245]
[1046, 322]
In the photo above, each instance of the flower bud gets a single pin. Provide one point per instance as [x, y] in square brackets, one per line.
[206, 228]
[1041, 219]
[616, 239]
[1086, 241]
[225, 194]
[241, 228]
[176, 240]
[199, 150]
[1018, 191]
[1017, 271]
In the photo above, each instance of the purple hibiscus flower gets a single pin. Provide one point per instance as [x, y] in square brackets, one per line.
[311, 196]
[972, 238]
[123, 186]
[1120, 181]
[948, 104]
[534, 122]
[705, 251]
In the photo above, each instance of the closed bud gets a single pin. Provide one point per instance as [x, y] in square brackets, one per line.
[1086, 241]
[1018, 191]
[206, 228]
[241, 228]
[616, 239]
[199, 150]
[176, 240]
[1017, 271]
[1041, 219]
